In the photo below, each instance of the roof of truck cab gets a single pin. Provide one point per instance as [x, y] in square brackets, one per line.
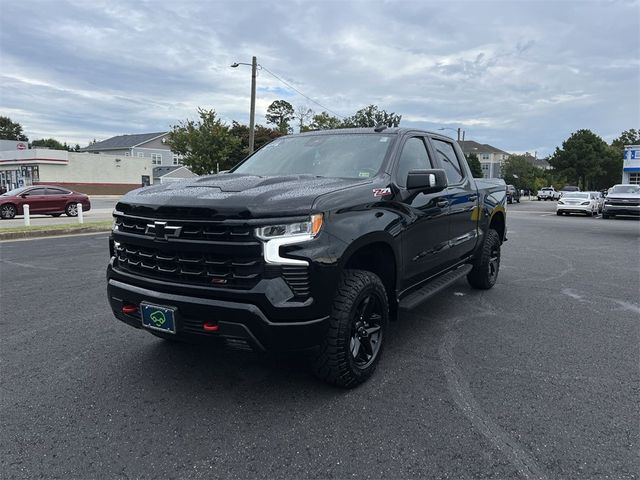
[387, 131]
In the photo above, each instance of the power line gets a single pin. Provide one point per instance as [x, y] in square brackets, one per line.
[262, 67]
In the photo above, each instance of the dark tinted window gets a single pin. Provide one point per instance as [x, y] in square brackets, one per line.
[413, 157]
[56, 191]
[36, 191]
[450, 163]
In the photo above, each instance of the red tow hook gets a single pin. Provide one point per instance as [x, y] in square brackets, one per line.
[129, 309]
[210, 327]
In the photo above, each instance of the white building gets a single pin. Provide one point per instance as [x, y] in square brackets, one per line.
[88, 173]
[631, 164]
[491, 158]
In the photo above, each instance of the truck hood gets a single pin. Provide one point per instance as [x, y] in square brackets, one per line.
[623, 196]
[240, 196]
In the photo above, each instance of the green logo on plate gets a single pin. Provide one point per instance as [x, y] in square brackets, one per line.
[158, 318]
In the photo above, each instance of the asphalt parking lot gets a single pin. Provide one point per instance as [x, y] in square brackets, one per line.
[536, 378]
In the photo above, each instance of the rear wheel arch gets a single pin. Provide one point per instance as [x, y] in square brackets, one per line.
[498, 224]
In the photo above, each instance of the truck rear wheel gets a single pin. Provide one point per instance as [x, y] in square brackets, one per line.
[352, 347]
[485, 271]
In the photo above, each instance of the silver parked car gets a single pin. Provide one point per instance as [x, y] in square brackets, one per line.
[578, 202]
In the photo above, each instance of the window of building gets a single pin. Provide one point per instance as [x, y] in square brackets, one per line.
[141, 155]
[634, 178]
[156, 159]
[485, 156]
[414, 157]
[177, 160]
[126, 154]
[449, 160]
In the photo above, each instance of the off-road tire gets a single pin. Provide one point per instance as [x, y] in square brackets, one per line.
[335, 362]
[485, 270]
[559, 214]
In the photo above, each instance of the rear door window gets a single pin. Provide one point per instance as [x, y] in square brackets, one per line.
[36, 191]
[450, 162]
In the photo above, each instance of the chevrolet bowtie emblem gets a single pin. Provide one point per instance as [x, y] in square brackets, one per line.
[162, 231]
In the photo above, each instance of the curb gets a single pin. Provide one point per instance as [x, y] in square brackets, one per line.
[52, 233]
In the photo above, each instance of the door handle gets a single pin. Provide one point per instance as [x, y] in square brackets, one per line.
[473, 198]
[442, 203]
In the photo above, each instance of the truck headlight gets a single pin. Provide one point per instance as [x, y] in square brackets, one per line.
[584, 203]
[560, 202]
[308, 229]
[276, 236]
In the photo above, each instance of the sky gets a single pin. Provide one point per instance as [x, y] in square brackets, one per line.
[519, 75]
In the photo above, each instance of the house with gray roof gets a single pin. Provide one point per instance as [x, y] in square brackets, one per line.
[491, 158]
[171, 173]
[141, 145]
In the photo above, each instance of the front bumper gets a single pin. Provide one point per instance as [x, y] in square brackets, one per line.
[240, 325]
[621, 209]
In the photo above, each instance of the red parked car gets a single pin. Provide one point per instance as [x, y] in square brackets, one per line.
[42, 200]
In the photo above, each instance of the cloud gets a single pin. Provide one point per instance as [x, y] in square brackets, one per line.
[519, 75]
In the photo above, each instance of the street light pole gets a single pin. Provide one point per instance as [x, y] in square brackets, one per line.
[252, 116]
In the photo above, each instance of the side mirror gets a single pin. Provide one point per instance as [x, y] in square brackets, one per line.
[24, 195]
[427, 181]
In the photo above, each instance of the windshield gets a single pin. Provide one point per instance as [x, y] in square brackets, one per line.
[626, 189]
[339, 155]
[575, 195]
[15, 191]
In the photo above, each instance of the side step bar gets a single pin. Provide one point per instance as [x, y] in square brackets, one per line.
[434, 286]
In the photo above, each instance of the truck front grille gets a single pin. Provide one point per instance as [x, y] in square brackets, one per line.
[194, 267]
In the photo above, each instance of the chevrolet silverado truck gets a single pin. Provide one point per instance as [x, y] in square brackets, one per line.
[622, 200]
[313, 243]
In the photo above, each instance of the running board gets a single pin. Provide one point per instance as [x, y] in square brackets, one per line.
[434, 286]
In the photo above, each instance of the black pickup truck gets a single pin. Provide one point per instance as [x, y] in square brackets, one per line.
[313, 243]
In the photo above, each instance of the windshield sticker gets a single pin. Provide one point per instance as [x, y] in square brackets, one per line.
[384, 139]
[381, 192]
[364, 174]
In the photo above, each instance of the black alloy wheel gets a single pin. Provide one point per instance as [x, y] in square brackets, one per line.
[7, 211]
[366, 331]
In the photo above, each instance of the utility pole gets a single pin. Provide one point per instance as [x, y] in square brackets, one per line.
[458, 134]
[252, 117]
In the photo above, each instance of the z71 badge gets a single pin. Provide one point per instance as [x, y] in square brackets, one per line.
[381, 192]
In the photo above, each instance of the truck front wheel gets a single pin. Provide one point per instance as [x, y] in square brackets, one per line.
[352, 347]
[485, 270]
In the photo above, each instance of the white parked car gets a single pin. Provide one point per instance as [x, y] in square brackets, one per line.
[578, 202]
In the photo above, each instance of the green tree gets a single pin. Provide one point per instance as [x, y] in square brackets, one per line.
[324, 121]
[371, 116]
[50, 143]
[11, 130]
[628, 137]
[580, 159]
[205, 144]
[262, 136]
[518, 171]
[475, 165]
[303, 114]
[280, 113]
